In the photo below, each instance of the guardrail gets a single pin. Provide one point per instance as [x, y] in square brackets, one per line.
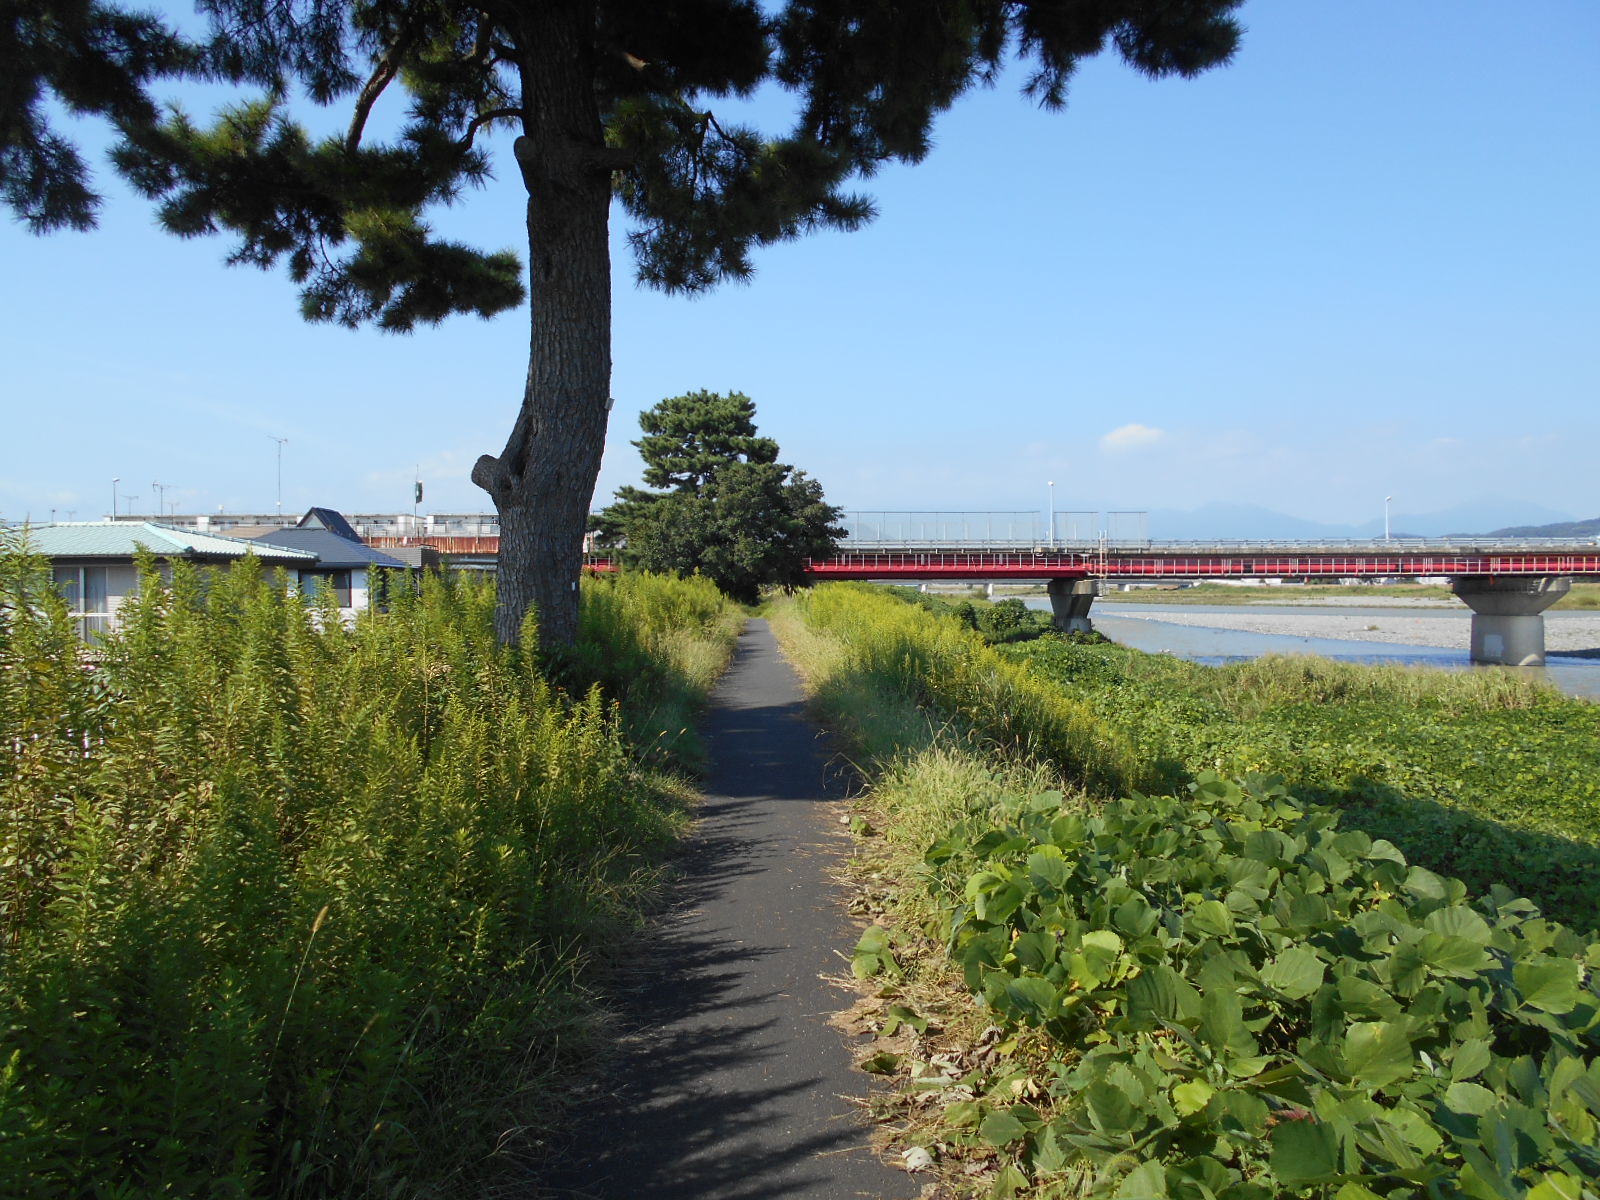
[1321, 562]
[1463, 545]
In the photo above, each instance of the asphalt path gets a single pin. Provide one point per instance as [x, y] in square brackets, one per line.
[730, 1082]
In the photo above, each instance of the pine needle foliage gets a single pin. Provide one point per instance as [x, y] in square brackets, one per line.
[599, 104]
[295, 908]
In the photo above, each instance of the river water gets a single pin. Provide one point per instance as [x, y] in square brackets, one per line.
[1141, 627]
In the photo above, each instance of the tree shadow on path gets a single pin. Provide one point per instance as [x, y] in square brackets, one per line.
[729, 1082]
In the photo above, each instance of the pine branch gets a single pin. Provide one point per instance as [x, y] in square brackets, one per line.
[482, 119]
[388, 68]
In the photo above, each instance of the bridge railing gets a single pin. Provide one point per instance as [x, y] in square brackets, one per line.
[1112, 532]
[1207, 562]
[1019, 530]
[1371, 546]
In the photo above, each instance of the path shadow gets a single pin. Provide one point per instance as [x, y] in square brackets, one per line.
[725, 1078]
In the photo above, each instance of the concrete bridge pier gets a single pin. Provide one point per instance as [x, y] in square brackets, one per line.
[1507, 620]
[1069, 603]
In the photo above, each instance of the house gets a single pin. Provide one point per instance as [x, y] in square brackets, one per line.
[344, 563]
[92, 562]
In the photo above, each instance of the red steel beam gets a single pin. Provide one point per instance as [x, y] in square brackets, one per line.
[933, 565]
[955, 564]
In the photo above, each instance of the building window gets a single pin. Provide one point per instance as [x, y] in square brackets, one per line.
[88, 599]
[336, 581]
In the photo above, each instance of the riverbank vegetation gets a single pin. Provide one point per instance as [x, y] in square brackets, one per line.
[290, 908]
[1472, 774]
[1188, 985]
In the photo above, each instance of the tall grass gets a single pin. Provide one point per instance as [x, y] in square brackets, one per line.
[1487, 776]
[656, 644]
[908, 657]
[1247, 689]
[294, 909]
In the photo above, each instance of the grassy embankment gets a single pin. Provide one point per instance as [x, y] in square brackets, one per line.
[291, 909]
[1229, 993]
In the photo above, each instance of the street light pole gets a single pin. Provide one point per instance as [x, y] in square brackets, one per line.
[1386, 500]
[115, 479]
[1052, 486]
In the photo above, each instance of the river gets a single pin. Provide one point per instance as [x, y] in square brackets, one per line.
[1184, 633]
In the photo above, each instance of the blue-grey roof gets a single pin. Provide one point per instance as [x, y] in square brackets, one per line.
[330, 519]
[124, 539]
[332, 551]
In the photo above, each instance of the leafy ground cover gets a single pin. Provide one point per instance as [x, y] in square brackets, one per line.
[1231, 996]
[1483, 775]
[294, 909]
[1094, 990]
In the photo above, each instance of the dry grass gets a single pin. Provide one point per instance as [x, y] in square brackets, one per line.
[933, 1044]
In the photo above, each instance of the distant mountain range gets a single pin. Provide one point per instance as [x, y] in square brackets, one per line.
[1483, 518]
[1584, 529]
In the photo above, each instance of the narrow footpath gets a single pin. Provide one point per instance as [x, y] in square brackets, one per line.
[731, 1085]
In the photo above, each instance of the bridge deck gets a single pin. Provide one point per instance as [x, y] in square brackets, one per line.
[1154, 563]
[1165, 560]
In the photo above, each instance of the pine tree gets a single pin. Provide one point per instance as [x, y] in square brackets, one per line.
[730, 511]
[607, 98]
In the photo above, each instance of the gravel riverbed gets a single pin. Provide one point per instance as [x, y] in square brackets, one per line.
[1564, 632]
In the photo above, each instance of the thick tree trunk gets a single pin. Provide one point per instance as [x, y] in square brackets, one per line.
[544, 479]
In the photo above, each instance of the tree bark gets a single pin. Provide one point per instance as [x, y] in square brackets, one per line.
[543, 480]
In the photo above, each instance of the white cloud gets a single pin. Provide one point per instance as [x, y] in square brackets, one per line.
[1130, 437]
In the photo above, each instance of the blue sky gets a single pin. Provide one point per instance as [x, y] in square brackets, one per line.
[1362, 261]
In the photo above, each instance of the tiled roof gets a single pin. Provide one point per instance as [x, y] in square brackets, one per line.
[123, 539]
[332, 551]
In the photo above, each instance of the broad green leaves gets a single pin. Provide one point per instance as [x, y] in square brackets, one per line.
[1472, 776]
[1296, 973]
[1256, 983]
[874, 955]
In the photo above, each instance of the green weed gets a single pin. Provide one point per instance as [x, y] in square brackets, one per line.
[295, 908]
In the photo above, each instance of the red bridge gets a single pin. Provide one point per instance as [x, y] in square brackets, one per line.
[1508, 583]
[1233, 560]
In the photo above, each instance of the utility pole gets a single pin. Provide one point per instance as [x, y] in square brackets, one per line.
[160, 489]
[280, 442]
